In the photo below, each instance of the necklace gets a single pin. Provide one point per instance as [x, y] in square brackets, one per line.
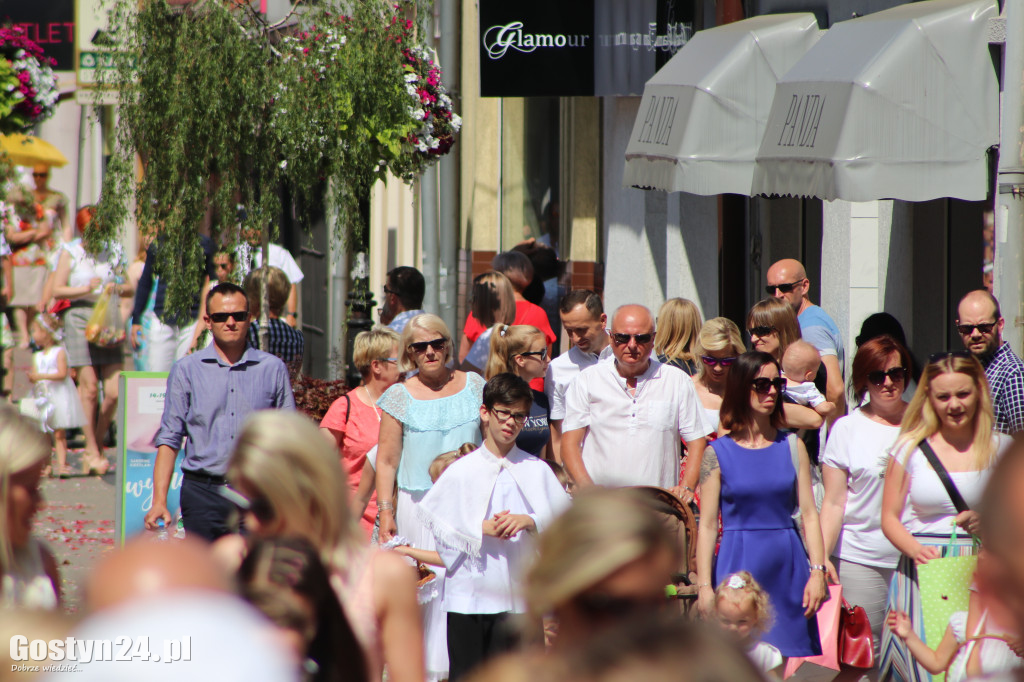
[373, 402]
[440, 385]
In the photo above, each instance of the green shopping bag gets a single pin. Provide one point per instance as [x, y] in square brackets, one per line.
[943, 585]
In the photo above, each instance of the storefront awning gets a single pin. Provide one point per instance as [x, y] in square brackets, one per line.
[901, 104]
[703, 113]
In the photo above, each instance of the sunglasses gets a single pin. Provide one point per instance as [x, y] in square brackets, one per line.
[784, 288]
[421, 346]
[897, 375]
[623, 339]
[237, 315]
[260, 507]
[763, 385]
[939, 357]
[543, 353]
[40, 175]
[505, 415]
[712, 361]
[968, 329]
[390, 291]
[762, 330]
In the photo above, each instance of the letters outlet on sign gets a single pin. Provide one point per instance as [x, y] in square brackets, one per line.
[573, 48]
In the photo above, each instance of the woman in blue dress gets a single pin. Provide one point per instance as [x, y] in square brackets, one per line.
[750, 477]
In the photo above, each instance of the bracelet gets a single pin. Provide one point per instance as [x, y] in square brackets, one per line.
[704, 585]
[292, 313]
[818, 567]
[686, 487]
[386, 506]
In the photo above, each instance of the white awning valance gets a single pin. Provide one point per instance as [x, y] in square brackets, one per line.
[703, 114]
[900, 104]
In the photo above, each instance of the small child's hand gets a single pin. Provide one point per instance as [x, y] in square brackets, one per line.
[899, 623]
[509, 525]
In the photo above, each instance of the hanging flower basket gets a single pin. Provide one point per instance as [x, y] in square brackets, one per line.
[28, 86]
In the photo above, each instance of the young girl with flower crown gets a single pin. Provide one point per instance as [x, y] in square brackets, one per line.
[55, 395]
[744, 611]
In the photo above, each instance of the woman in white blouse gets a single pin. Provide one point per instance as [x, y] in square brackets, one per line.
[853, 470]
[952, 413]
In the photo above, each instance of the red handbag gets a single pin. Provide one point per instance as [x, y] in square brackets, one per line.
[856, 644]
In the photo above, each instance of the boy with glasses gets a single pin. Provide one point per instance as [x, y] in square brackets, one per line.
[484, 510]
[980, 325]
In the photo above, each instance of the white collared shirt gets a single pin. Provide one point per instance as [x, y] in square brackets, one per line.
[634, 439]
[562, 370]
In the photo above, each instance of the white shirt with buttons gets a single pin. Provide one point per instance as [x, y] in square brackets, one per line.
[633, 438]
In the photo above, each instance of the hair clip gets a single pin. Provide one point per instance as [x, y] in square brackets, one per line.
[736, 582]
[503, 330]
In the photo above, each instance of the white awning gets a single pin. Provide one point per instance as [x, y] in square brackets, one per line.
[703, 114]
[900, 104]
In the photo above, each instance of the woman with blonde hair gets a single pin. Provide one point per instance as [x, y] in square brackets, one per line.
[676, 335]
[435, 411]
[28, 571]
[287, 481]
[718, 345]
[492, 299]
[948, 426]
[353, 421]
[607, 558]
[522, 349]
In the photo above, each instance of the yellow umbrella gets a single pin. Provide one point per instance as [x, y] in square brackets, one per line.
[26, 150]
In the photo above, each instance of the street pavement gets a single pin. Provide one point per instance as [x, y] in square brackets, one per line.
[78, 525]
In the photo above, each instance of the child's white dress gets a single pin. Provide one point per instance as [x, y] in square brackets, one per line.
[765, 657]
[57, 400]
[996, 655]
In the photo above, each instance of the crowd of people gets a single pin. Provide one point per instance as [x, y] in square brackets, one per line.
[57, 291]
[476, 508]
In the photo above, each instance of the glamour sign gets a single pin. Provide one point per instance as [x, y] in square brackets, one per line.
[498, 40]
[577, 47]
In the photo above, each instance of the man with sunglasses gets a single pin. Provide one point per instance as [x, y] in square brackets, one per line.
[404, 288]
[210, 394]
[624, 419]
[584, 321]
[980, 325]
[787, 279]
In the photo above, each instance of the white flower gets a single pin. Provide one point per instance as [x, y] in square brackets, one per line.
[411, 90]
[419, 114]
[284, 164]
[411, 78]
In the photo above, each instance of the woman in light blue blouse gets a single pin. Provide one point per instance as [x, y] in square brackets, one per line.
[433, 412]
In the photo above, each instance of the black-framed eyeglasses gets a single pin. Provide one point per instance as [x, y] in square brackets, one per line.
[260, 507]
[939, 357]
[761, 330]
[237, 315]
[763, 385]
[421, 346]
[895, 374]
[543, 353]
[389, 291]
[968, 329]
[711, 360]
[505, 415]
[623, 339]
[784, 288]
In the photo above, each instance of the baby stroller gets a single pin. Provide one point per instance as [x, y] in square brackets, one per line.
[681, 523]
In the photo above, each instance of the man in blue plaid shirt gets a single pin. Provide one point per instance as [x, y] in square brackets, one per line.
[980, 325]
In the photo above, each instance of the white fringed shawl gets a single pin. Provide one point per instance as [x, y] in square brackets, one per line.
[455, 508]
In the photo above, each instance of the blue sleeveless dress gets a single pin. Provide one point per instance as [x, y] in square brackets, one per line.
[758, 535]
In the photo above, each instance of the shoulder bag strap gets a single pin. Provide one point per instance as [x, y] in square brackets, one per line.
[947, 482]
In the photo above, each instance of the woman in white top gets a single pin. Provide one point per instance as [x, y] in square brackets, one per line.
[952, 412]
[81, 277]
[719, 343]
[853, 470]
[28, 571]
